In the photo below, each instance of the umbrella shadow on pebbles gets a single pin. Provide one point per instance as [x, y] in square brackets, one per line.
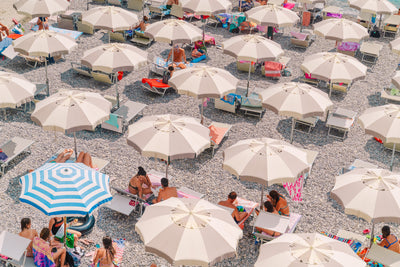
[75, 80]
[14, 187]
[135, 92]
[379, 153]
[375, 100]
[18, 65]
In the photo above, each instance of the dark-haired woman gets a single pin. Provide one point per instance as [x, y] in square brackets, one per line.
[28, 233]
[104, 257]
[136, 182]
[389, 240]
[279, 203]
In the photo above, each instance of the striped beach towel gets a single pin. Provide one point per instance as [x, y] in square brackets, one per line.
[119, 245]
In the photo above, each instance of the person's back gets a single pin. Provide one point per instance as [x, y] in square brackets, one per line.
[28, 234]
[167, 74]
[389, 240]
[237, 215]
[104, 256]
[166, 192]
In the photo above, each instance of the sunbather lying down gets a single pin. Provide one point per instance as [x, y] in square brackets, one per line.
[83, 157]
[179, 57]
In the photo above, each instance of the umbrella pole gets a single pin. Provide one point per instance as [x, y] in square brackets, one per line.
[202, 110]
[166, 169]
[262, 196]
[330, 88]
[391, 162]
[65, 232]
[47, 78]
[204, 30]
[372, 234]
[291, 133]
[76, 151]
[116, 89]
[248, 80]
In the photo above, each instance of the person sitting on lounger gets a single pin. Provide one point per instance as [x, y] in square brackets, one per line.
[168, 74]
[4, 32]
[389, 240]
[28, 233]
[165, 192]
[279, 203]
[83, 157]
[56, 225]
[63, 156]
[104, 256]
[143, 24]
[43, 23]
[268, 207]
[236, 214]
[179, 57]
[42, 248]
[136, 183]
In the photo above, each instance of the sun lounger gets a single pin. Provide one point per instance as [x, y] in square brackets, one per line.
[121, 118]
[276, 223]
[100, 163]
[13, 148]
[156, 176]
[137, 5]
[391, 26]
[301, 40]
[353, 236]
[80, 69]
[244, 66]
[212, 20]
[13, 248]
[125, 202]
[384, 256]
[250, 206]
[307, 123]
[370, 52]
[141, 39]
[177, 11]
[32, 61]
[364, 19]
[340, 120]
[341, 87]
[118, 36]
[389, 96]
[184, 192]
[331, 12]
[308, 79]
[252, 105]
[218, 131]
[272, 69]
[158, 66]
[155, 86]
[103, 77]
[85, 28]
[159, 11]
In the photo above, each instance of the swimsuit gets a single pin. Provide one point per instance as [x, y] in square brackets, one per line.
[134, 187]
[390, 244]
[56, 226]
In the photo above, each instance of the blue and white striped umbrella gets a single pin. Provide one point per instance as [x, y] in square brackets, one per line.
[65, 189]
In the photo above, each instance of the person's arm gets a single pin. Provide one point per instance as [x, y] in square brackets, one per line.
[169, 55]
[159, 197]
[184, 56]
[148, 182]
[51, 223]
[96, 257]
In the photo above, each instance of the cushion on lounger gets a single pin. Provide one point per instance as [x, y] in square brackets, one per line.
[155, 83]
[217, 133]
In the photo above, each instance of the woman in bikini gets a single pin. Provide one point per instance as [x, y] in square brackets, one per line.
[104, 256]
[28, 233]
[279, 203]
[136, 182]
[389, 241]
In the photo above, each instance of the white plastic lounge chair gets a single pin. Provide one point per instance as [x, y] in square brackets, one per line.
[154, 86]
[103, 77]
[249, 205]
[387, 95]
[370, 52]
[14, 248]
[220, 130]
[136, 4]
[384, 256]
[156, 176]
[32, 61]
[252, 105]
[276, 223]
[341, 87]
[141, 39]
[121, 118]
[341, 120]
[125, 202]
[80, 69]
[185, 192]
[158, 11]
[300, 40]
[13, 148]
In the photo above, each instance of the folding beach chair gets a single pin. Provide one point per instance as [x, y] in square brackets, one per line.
[13, 249]
[155, 86]
[13, 148]
[80, 69]
[218, 131]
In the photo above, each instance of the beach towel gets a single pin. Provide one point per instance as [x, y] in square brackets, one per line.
[73, 34]
[273, 69]
[5, 43]
[306, 18]
[334, 15]
[217, 133]
[236, 20]
[155, 83]
[231, 98]
[300, 36]
[308, 76]
[223, 19]
[113, 120]
[198, 59]
[289, 5]
[355, 245]
[119, 245]
[42, 253]
[348, 46]
[295, 189]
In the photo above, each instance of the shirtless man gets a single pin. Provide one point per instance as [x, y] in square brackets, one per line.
[179, 57]
[28, 233]
[237, 216]
[165, 192]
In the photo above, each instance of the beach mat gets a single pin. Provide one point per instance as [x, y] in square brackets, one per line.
[119, 245]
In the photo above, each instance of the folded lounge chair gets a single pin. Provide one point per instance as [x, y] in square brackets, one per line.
[370, 52]
[160, 11]
[218, 131]
[13, 250]
[13, 148]
[103, 77]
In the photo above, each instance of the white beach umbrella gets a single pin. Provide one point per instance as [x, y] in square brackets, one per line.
[44, 43]
[384, 123]
[206, 7]
[334, 67]
[342, 30]
[310, 1]
[395, 46]
[15, 90]
[111, 58]
[306, 249]
[272, 15]
[265, 161]
[373, 6]
[70, 111]
[296, 100]
[252, 48]
[204, 81]
[41, 8]
[188, 231]
[173, 31]
[168, 137]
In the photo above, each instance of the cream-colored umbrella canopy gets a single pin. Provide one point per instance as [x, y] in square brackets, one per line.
[310, 1]
[373, 6]
[383, 122]
[342, 30]
[173, 31]
[296, 100]
[15, 90]
[307, 249]
[188, 231]
[111, 58]
[272, 15]
[396, 79]
[265, 161]
[44, 43]
[395, 46]
[110, 18]
[206, 7]
[41, 8]
[334, 67]
[371, 194]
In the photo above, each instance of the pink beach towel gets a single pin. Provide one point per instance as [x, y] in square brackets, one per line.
[295, 189]
[298, 35]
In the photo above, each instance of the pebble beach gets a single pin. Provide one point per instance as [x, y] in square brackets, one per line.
[203, 174]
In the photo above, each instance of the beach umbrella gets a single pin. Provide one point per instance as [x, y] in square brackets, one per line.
[41, 8]
[395, 46]
[187, 231]
[296, 100]
[65, 189]
[252, 48]
[307, 249]
[334, 67]
[396, 79]
[371, 194]
[342, 30]
[204, 81]
[44, 43]
[378, 7]
[111, 58]
[15, 90]
[383, 122]
[168, 137]
[265, 161]
[173, 31]
[69, 111]
[110, 18]
[272, 15]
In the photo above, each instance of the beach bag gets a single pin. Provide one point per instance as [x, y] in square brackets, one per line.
[74, 257]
